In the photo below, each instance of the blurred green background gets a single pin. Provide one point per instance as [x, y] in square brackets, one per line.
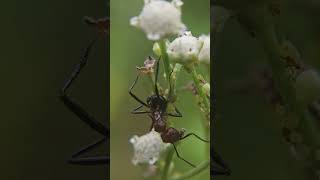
[40, 44]
[247, 131]
[129, 48]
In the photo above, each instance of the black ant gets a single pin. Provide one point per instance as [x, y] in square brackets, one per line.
[222, 168]
[85, 117]
[157, 105]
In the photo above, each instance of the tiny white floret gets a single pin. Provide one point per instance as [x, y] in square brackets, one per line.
[184, 49]
[204, 55]
[147, 148]
[159, 18]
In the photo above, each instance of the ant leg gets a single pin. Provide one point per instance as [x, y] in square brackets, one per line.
[175, 114]
[181, 157]
[195, 136]
[135, 111]
[156, 78]
[134, 96]
[223, 169]
[75, 107]
[89, 160]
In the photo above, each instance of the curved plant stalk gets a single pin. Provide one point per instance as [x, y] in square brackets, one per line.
[195, 171]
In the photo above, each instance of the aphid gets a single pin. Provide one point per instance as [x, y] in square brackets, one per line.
[157, 105]
[219, 167]
[83, 115]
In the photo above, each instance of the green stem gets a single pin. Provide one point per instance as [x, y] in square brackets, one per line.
[193, 171]
[165, 172]
[165, 58]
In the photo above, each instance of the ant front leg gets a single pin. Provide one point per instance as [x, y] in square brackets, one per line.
[135, 111]
[177, 113]
[133, 95]
[89, 160]
[74, 106]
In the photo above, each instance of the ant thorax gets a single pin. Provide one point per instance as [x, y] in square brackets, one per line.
[157, 103]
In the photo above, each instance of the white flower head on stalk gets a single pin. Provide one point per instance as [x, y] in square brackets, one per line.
[159, 18]
[204, 55]
[185, 49]
[147, 148]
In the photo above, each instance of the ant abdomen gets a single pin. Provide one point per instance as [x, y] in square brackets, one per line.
[171, 135]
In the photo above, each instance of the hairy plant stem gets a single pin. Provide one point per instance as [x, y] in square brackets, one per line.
[203, 99]
[202, 95]
[201, 167]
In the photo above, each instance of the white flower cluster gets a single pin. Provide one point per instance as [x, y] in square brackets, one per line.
[147, 148]
[187, 49]
[159, 18]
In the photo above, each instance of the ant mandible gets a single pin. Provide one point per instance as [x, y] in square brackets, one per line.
[83, 115]
[157, 105]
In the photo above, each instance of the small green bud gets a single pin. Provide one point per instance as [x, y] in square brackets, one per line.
[206, 88]
[156, 49]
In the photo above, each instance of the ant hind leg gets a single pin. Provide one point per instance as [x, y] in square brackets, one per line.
[74, 106]
[182, 157]
[223, 169]
[96, 160]
[192, 134]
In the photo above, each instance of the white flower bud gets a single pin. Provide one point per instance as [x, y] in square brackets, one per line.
[204, 55]
[185, 49]
[159, 18]
[147, 148]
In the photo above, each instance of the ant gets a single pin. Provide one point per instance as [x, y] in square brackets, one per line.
[222, 168]
[157, 105]
[83, 115]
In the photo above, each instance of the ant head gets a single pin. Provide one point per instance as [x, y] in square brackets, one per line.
[157, 102]
[182, 131]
